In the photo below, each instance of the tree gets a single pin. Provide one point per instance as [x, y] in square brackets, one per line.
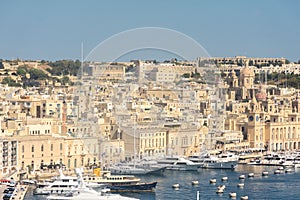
[22, 71]
[37, 74]
[65, 80]
[64, 67]
[10, 82]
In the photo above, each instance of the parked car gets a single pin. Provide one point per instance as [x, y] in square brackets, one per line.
[7, 196]
[9, 190]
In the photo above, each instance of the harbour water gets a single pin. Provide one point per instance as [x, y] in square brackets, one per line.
[273, 186]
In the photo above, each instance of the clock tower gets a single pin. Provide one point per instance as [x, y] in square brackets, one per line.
[255, 128]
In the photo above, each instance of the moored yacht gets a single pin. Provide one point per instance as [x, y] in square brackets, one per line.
[106, 178]
[86, 195]
[179, 163]
[139, 167]
[118, 182]
[60, 185]
[275, 159]
[82, 192]
[221, 161]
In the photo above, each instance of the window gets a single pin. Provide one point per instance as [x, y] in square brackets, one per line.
[61, 146]
[32, 164]
[51, 147]
[32, 148]
[23, 149]
[42, 147]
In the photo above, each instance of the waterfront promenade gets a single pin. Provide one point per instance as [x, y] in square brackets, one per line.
[18, 194]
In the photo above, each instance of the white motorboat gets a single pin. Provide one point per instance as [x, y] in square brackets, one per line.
[275, 159]
[179, 163]
[60, 185]
[87, 194]
[82, 192]
[221, 161]
[296, 162]
[127, 169]
[139, 167]
[63, 185]
[82, 196]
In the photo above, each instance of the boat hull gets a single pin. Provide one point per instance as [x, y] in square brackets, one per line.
[140, 187]
[220, 165]
[184, 167]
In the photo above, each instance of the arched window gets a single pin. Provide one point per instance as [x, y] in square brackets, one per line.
[42, 147]
[32, 148]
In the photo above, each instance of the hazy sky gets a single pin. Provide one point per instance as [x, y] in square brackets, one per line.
[53, 30]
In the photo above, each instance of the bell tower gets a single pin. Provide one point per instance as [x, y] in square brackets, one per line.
[255, 128]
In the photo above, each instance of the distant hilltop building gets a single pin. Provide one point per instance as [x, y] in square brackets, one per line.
[162, 72]
[240, 60]
[106, 71]
[259, 65]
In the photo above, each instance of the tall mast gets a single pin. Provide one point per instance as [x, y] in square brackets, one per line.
[134, 129]
[81, 60]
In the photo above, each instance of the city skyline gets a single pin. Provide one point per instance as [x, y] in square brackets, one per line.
[55, 30]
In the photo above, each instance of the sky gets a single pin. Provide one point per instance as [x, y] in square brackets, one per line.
[54, 30]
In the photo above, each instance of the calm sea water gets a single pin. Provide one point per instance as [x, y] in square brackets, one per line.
[280, 186]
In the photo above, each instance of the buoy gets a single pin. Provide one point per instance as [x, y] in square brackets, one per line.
[176, 185]
[265, 173]
[288, 171]
[240, 185]
[220, 190]
[225, 178]
[195, 182]
[244, 197]
[251, 175]
[242, 177]
[213, 180]
[232, 194]
[221, 187]
[277, 171]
